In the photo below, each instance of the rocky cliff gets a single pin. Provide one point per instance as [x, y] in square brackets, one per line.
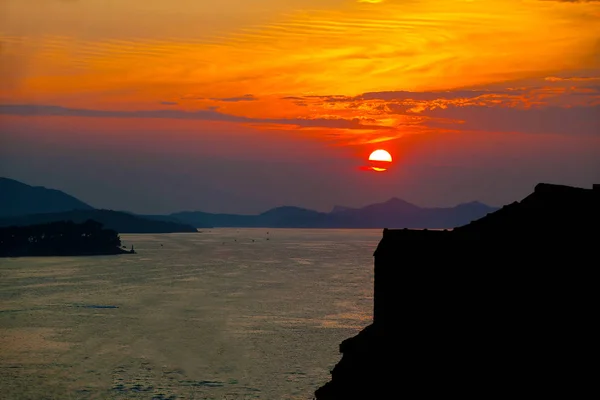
[503, 306]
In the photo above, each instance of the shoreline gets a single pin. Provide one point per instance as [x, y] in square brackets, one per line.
[115, 252]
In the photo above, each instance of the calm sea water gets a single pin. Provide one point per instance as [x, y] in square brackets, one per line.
[221, 314]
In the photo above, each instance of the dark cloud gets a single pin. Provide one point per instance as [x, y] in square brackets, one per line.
[205, 115]
[246, 97]
[572, 78]
[547, 120]
[169, 103]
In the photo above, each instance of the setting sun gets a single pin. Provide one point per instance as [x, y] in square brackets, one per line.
[380, 160]
[380, 155]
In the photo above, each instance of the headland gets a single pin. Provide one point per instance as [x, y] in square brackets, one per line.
[502, 306]
[63, 238]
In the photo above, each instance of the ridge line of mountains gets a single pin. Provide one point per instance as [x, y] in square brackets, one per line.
[22, 204]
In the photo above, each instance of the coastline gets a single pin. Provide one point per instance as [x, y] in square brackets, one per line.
[63, 238]
[111, 252]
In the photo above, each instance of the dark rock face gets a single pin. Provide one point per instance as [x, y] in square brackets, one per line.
[503, 306]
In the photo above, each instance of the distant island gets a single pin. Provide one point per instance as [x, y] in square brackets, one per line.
[22, 205]
[501, 307]
[394, 213]
[60, 239]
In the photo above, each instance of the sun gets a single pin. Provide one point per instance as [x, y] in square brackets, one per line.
[380, 160]
[380, 155]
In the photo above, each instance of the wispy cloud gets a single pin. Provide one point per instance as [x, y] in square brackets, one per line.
[234, 99]
[379, 71]
[572, 79]
[246, 97]
[204, 115]
[550, 120]
[408, 45]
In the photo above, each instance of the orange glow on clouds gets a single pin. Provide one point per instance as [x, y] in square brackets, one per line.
[349, 73]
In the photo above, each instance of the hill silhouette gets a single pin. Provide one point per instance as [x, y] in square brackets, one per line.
[395, 213]
[22, 205]
[25, 205]
[499, 307]
[21, 199]
[115, 220]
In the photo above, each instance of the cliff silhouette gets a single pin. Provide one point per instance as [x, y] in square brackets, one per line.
[60, 239]
[501, 307]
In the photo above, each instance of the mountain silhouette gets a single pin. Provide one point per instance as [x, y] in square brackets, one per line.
[337, 209]
[21, 205]
[394, 213]
[21, 199]
[113, 220]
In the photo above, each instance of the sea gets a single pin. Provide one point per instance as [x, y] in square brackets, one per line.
[218, 314]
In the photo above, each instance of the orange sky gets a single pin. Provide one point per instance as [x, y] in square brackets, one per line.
[339, 77]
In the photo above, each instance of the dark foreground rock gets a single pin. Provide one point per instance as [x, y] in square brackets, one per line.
[502, 307]
[60, 239]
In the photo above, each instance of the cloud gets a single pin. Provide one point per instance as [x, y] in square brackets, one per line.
[169, 103]
[204, 115]
[549, 120]
[408, 95]
[350, 49]
[561, 106]
[573, 79]
[427, 96]
[551, 91]
[246, 97]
